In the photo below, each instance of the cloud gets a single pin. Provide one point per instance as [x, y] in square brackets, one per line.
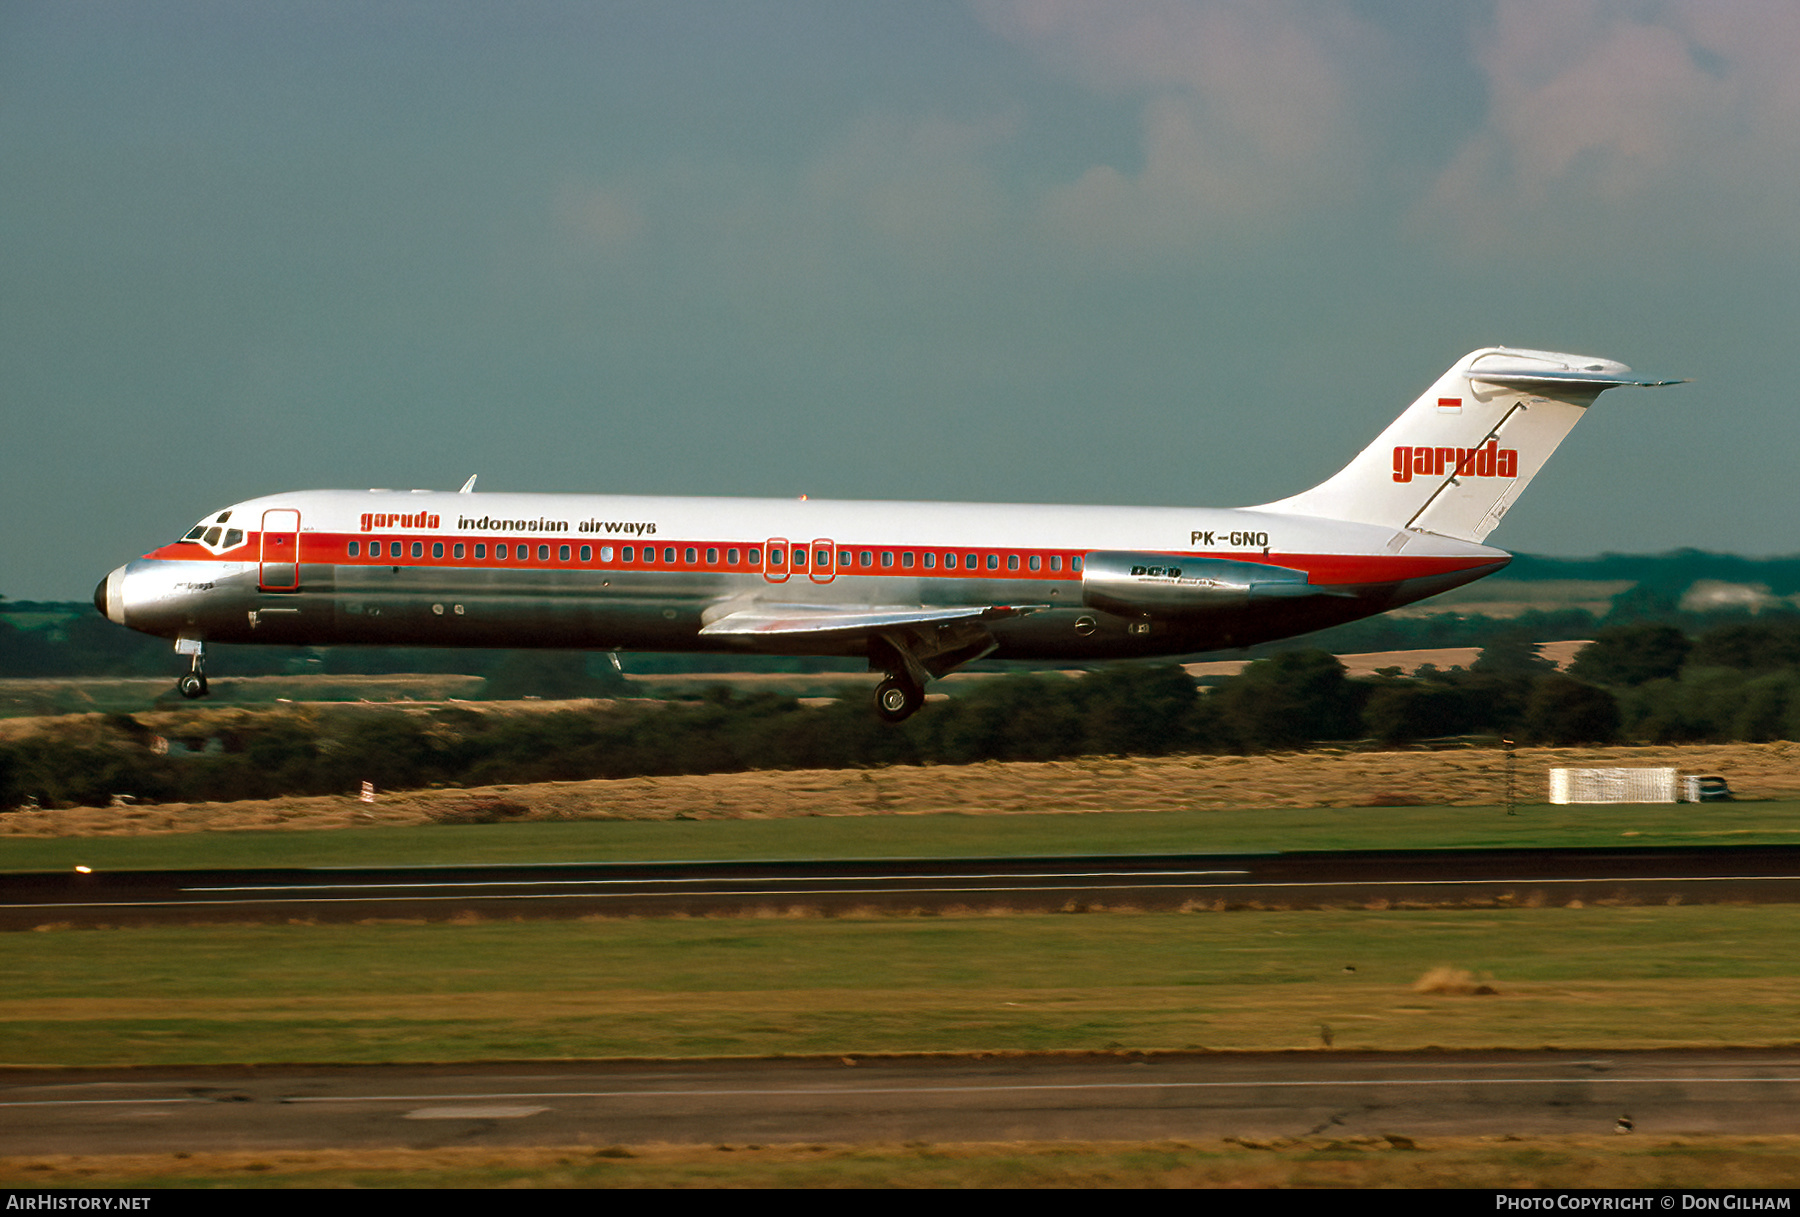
[598, 218]
[1607, 118]
[883, 213]
[1252, 113]
[921, 184]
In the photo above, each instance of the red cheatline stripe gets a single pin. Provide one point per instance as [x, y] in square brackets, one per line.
[1326, 570]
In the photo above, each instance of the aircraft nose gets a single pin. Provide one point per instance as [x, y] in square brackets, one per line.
[109, 596]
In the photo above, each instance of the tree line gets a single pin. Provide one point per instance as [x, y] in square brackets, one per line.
[1635, 682]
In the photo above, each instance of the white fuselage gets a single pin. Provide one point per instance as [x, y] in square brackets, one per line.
[919, 588]
[426, 568]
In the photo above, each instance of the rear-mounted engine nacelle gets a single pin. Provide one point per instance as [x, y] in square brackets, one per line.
[1169, 585]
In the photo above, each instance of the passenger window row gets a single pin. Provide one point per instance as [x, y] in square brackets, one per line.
[689, 555]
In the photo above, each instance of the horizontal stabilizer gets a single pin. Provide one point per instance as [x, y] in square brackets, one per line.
[1564, 378]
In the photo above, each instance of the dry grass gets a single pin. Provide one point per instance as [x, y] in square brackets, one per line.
[1453, 982]
[1382, 1161]
[1471, 777]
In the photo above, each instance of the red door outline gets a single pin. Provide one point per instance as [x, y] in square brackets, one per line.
[776, 545]
[279, 570]
[823, 545]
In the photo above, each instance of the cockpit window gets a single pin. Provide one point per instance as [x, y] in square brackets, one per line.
[213, 536]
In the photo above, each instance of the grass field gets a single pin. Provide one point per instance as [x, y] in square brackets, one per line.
[943, 835]
[1596, 977]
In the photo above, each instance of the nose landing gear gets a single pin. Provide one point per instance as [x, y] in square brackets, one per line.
[193, 683]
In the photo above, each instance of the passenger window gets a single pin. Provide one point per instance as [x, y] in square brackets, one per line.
[993, 562]
[562, 553]
[971, 561]
[1012, 561]
[669, 554]
[865, 558]
[457, 550]
[481, 551]
[587, 553]
[393, 549]
[437, 549]
[500, 553]
[799, 558]
[691, 555]
[823, 558]
[1036, 562]
[1075, 564]
[1055, 561]
[355, 548]
[605, 553]
[418, 549]
[543, 553]
[754, 557]
[731, 557]
[887, 557]
[844, 558]
[949, 561]
[930, 561]
[906, 559]
[712, 557]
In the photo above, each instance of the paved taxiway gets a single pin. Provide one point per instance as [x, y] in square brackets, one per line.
[875, 1099]
[1440, 878]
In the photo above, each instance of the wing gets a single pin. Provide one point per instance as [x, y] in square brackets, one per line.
[771, 620]
[921, 641]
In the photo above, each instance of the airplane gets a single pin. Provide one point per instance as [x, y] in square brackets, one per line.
[919, 589]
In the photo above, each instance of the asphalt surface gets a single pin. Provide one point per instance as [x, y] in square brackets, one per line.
[1446, 878]
[1087, 1098]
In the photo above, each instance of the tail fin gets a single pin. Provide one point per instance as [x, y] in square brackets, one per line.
[1463, 453]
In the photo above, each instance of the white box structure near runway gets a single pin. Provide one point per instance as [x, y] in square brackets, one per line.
[1614, 786]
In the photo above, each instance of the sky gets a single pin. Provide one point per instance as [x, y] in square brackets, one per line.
[1127, 251]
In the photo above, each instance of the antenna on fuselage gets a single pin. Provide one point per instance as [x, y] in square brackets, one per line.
[468, 487]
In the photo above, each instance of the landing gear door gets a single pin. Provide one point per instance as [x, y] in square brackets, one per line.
[279, 570]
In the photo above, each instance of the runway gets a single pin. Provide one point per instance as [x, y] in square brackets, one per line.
[1085, 1098]
[1425, 879]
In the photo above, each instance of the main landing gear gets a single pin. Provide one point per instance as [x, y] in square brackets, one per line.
[193, 683]
[898, 698]
[908, 656]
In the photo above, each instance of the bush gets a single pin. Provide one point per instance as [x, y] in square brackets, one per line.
[1632, 655]
[1563, 710]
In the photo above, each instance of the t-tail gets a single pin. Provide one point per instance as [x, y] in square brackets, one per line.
[1460, 456]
